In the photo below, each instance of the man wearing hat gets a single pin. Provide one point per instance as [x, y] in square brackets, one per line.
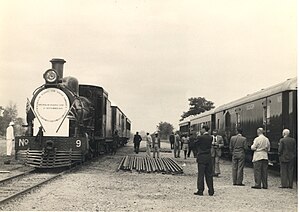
[10, 138]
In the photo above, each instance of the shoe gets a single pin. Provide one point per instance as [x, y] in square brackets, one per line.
[265, 187]
[211, 194]
[234, 184]
[255, 187]
[282, 187]
[198, 193]
[240, 184]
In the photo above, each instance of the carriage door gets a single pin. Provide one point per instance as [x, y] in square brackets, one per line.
[273, 118]
[227, 125]
[266, 115]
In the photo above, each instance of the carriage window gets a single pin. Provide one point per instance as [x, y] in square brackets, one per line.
[238, 120]
[267, 114]
[290, 102]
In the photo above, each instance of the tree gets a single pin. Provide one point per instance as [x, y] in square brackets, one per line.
[9, 114]
[165, 129]
[197, 105]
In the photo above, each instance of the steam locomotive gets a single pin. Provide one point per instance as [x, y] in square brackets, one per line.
[68, 122]
[273, 108]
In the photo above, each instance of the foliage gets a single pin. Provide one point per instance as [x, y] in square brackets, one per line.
[9, 114]
[197, 105]
[165, 129]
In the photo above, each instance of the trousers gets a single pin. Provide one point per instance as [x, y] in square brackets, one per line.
[9, 147]
[287, 173]
[176, 151]
[216, 165]
[172, 145]
[238, 170]
[205, 170]
[148, 150]
[192, 149]
[136, 147]
[261, 173]
[156, 150]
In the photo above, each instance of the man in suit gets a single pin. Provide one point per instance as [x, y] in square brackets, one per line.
[203, 146]
[192, 145]
[216, 152]
[137, 140]
[238, 146]
[287, 155]
[156, 145]
[172, 140]
[177, 146]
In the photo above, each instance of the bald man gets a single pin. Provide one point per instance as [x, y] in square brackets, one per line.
[287, 155]
[261, 147]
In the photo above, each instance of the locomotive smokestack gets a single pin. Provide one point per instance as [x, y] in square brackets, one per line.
[58, 65]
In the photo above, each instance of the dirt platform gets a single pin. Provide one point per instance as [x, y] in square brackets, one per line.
[99, 187]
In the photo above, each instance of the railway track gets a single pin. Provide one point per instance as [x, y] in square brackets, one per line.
[20, 183]
[23, 179]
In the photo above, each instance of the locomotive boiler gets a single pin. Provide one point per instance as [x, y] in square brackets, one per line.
[66, 122]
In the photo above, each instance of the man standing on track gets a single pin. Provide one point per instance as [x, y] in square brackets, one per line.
[261, 147]
[203, 146]
[137, 140]
[238, 146]
[287, 154]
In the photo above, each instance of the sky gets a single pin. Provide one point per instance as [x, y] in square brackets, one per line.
[150, 56]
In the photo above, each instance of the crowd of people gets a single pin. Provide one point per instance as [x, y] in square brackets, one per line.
[207, 149]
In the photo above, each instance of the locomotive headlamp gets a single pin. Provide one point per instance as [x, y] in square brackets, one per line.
[51, 76]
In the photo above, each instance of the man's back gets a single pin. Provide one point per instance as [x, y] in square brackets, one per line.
[203, 146]
[287, 149]
[238, 144]
[172, 138]
[177, 140]
[137, 138]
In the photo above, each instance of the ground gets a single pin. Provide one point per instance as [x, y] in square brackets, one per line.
[99, 187]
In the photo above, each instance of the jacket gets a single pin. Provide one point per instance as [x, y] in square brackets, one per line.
[153, 141]
[287, 149]
[216, 147]
[177, 140]
[203, 145]
[261, 147]
[172, 138]
[137, 139]
[10, 133]
[238, 146]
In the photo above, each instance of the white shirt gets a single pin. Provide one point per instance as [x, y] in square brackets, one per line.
[10, 133]
[149, 140]
[261, 146]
